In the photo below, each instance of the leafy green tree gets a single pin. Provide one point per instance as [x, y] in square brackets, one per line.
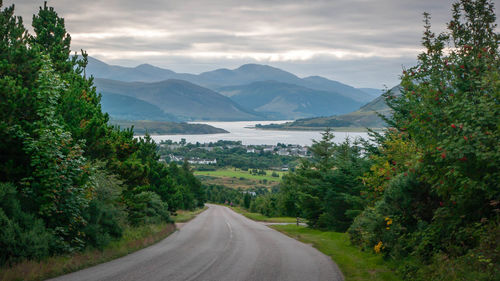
[147, 207]
[436, 175]
[80, 105]
[449, 107]
[57, 186]
[105, 214]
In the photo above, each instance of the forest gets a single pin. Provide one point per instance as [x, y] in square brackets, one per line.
[69, 181]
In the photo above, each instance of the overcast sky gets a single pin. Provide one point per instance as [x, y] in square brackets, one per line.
[363, 43]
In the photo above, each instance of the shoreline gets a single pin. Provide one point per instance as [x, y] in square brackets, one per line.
[180, 134]
[320, 129]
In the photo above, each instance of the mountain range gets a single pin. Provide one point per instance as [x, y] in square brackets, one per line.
[244, 74]
[249, 92]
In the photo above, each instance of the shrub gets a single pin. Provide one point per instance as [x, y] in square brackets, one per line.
[103, 224]
[22, 236]
[265, 204]
[405, 210]
[147, 207]
[104, 215]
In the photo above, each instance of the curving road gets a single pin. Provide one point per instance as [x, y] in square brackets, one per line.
[218, 244]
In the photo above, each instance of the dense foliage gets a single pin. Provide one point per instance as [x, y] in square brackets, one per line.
[326, 189]
[425, 193]
[69, 180]
[226, 195]
[434, 183]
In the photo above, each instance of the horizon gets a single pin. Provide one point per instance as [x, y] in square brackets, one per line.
[359, 43]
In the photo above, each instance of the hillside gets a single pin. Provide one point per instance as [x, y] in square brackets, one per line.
[123, 107]
[289, 101]
[184, 100]
[323, 84]
[374, 93]
[365, 117]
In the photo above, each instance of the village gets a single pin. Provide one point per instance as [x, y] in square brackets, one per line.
[208, 153]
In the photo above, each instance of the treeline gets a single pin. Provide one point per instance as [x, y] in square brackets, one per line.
[253, 199]
[69, 180]
[426, 193]
[325, 189]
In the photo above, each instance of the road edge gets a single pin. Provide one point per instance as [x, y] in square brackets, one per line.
[57, 266]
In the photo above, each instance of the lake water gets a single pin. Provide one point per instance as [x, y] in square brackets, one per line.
[239, 131]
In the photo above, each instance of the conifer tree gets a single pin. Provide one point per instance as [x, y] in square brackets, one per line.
[52, 38]
[18, 72]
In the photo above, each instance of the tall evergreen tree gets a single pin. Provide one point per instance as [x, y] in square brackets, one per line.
[18, 71]
[52, 38]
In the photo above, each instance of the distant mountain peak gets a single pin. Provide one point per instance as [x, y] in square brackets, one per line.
[149, 68]
[252, 66]
[249, 67]
[146, 65]
[315, 77]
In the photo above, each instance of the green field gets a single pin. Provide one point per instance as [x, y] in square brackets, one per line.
[354, 264]
[237, 174]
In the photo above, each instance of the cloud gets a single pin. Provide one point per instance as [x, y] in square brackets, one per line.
[361, 42]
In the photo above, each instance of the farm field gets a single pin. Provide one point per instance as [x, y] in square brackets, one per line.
[236, 178]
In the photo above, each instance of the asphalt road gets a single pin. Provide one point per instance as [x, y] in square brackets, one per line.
[218, 245]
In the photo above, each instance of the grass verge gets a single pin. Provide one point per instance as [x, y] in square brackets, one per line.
[354, 264]
[186, 215]
[133, 239]
[261, 217]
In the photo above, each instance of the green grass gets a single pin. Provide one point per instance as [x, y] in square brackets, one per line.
[261, 217]
[186, 215]
[237, 173]
[354, 264]
[133, 239]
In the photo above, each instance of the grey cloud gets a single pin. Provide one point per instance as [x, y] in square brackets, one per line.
[171, 33]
